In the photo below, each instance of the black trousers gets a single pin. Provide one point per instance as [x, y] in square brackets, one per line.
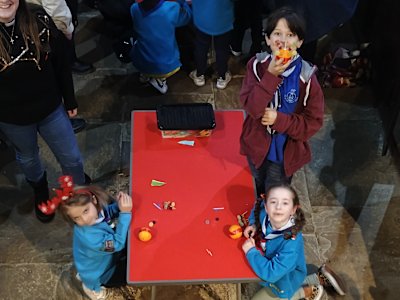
[268, 174]
[119, 277]
[73, 7]
[117, 18]
[247, 15]
[221, 46]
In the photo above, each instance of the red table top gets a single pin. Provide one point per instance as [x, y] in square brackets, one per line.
[198, 178]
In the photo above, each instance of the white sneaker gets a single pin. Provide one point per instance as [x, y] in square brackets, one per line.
[143, 78]
[159, 84]
[331, 279]
[235, 53]
[222, 83]
[198, 80]
[93, 295]
[317, 292]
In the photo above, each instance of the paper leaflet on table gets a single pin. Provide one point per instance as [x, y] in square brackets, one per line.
[186, 142]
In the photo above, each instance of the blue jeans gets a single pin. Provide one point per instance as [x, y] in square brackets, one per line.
[269, 173]
[56, 131]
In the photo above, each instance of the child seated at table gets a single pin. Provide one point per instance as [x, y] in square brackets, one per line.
[275, 249]
[100, 227]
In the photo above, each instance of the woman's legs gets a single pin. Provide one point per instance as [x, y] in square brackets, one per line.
[57, 132]
[24, 141]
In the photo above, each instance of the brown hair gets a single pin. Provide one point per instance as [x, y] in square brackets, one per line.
[299, 218]
[83, 195]
[294, 20]
[25, 21]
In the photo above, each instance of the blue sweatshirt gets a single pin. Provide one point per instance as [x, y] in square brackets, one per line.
[213, 17]
[95, 247]
[155, 51]
[282, 268]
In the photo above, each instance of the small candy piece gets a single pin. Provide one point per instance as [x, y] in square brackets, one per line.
[166, 204]
[169, 205]
[243, 222]
[218, 208]
[157, 206]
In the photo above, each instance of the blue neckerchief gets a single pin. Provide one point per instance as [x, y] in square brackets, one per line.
[268, 233]
[100, 217]
[288, 94]
[105, 217]
[289, 89]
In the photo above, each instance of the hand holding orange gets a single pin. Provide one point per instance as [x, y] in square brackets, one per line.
[285, 54]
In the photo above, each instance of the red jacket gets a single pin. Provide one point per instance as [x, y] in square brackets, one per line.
[257, 92]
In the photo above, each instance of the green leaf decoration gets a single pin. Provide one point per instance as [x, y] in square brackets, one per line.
[157, 183]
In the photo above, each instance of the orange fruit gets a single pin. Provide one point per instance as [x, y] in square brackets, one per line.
[144, 235]
[286, 54]
[235, 231]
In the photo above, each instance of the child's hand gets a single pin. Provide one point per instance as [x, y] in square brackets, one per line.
[249, 231]
[124, 202]
[269, 116]
[276, 67]
[248, 244]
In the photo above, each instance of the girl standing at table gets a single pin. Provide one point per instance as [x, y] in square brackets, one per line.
[275, 249]
[99, 238]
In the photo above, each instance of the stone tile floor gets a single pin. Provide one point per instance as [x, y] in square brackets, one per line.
[349, 191]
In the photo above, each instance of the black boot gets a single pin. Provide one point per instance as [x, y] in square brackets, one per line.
[41, 192]
[88, 180]
[78, 124]
[81, 68]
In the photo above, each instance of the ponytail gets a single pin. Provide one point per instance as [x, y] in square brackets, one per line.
[257, 209]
